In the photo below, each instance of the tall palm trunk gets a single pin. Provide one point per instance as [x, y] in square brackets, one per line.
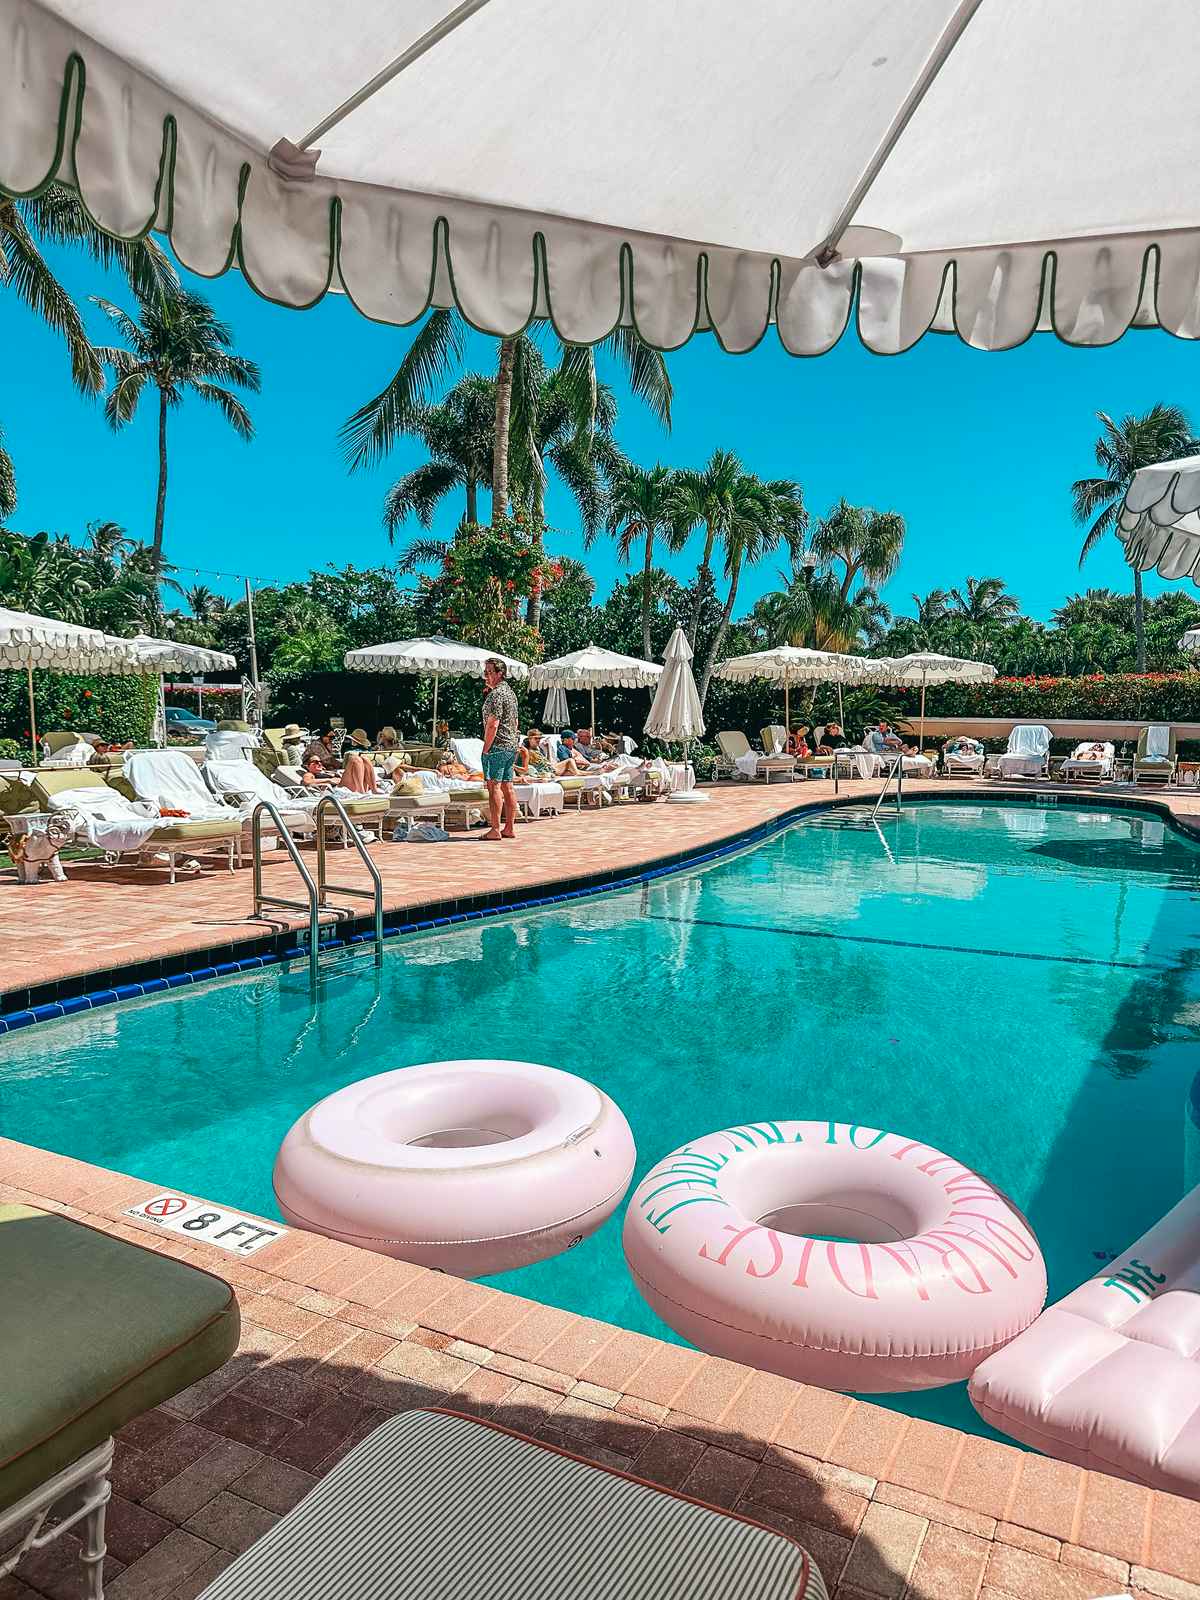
[647, 570]
[703, 572]
[160, 507]
[472, 500]
[504, 383]
[722, 629]
[1139, 624]
[533, 606]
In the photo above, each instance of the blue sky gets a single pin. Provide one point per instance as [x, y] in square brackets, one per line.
[976, 451]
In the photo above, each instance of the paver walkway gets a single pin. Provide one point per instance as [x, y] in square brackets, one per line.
[101, 919]
[335, 1339]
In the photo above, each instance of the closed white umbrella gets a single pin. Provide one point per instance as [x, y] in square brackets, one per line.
[926, 667]
[556, 714]
[736, 166]
[31, 642]
[1191, 641]
[595, 668]
[788, 664]
[675, 716]
[436, 655]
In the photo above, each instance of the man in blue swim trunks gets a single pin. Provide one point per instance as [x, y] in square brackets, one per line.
[501, 731]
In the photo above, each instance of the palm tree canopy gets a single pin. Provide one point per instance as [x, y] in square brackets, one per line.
[178, 344]
[863, 540]
[1161, 434]
[643, 502]
[985, 600]
[8, 482]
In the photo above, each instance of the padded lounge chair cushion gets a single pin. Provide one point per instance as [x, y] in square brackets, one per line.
[187, 832]
[434, 1506]
[94, 1332]
[368, 805]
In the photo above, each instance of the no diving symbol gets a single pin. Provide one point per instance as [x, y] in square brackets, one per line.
[166, 1205]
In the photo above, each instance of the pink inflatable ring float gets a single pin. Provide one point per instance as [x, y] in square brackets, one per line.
[472, 1167]
[834, 1254]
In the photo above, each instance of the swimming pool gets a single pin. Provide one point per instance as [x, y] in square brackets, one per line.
[1018, 985]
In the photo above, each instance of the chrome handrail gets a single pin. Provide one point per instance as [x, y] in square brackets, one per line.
[897, 772]
[323, 883]
[313, 903]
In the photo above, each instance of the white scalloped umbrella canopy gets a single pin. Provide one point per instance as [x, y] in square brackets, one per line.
[447, 658]
[595, 668]
[924, 667]
[172, 655]
[1159, 522]
[713, 166]
[675, 715]
[789, 664]
[35, 642]
[1191, 641]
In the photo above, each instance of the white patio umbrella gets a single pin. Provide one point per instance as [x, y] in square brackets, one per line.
[172, 655]
[675, 716]
[436, 655]
[595, 668]
[1191, 641]
[788, 664]
[737, 165]
[556, 713]
[1159, 521]
[925, 667]
[31, 642]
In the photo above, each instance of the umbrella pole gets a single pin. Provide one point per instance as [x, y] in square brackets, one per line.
[160, 714]
[841, 715]
[593, 722]
[32, 714]
[921, 736]
[787, 711]
[433, 724]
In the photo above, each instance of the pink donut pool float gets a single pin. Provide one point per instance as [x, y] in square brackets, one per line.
[834, 1254]
[472, 1167]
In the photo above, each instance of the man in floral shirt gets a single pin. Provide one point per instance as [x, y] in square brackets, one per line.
[501, 731]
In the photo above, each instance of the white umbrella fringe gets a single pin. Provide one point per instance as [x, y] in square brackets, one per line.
[594, 668]
[840, 97]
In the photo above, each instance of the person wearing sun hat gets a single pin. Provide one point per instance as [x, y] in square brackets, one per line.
[293, 744]
[359, 739]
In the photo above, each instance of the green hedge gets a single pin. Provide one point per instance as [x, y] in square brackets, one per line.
[117, 708]
[1123, 697]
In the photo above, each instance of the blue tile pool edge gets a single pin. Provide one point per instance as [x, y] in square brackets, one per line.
[485, 906]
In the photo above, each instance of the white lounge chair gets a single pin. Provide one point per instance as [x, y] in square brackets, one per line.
[1028, 753]
[969, 760]
[240, 784]
[1083, 766]
[740, 761]
[1155, 759]
[171, 781]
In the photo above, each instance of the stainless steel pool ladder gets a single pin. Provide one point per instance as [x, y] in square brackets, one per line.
[374, 893]
[897, 772]
[312, 904]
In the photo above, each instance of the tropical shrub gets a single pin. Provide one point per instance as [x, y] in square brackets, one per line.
[117, 708]
[1123, 697]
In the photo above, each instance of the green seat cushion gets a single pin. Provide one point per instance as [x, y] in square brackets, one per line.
[94, 1332]
[470, 797]
[182, 832]
[369, 805]
[570, 783]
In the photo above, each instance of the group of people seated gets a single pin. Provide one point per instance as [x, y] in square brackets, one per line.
[832, 737]
[578, 754]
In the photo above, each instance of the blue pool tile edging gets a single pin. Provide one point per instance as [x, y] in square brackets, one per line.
[281, 953]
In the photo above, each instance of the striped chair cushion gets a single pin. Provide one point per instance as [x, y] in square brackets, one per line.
[434, 1506]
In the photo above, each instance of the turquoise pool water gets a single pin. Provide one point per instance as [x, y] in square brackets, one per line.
[1017, 985]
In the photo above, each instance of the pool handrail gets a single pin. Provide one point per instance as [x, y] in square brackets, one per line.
[313, 903]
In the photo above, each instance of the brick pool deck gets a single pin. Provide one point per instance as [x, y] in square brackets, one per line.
[335, 1339]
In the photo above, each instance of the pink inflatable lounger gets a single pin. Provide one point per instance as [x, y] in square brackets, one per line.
[835, 1254]
[1109, 1377]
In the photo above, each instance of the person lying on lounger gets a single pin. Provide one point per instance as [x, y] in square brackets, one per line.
[797, 742]
[832, 739]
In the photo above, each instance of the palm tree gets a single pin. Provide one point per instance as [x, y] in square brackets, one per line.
[932, 607]
[58, 216]
[865, 541]
[755, 528]
[44, 575]
[720, 498]
[178, 346]
[438, 347]
[204, 604]
[644, 506]
[457, 433]
[8, 482]
[985, 600]
[1162, 434]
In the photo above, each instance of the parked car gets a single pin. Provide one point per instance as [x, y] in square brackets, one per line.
[181, 721]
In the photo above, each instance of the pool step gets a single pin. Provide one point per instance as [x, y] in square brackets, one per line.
[856, 817]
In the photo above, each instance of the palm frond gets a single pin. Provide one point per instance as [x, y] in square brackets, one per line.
[28, 275]
[228, 404]
[370, 433]
[8, 482]
[58, 214]
[646, 370]
[422, 553]
[419, 493]
[121, 401]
